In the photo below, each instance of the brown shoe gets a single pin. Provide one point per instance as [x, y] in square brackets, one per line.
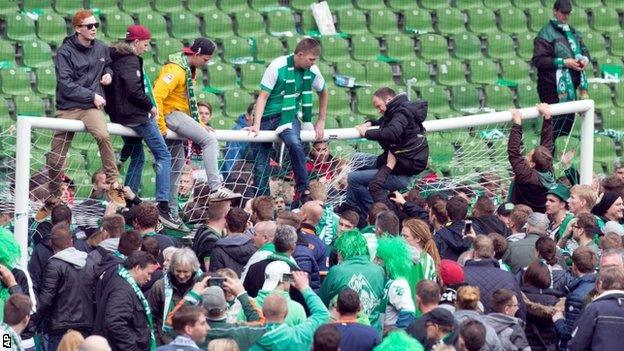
[116, 196]
[47, 207]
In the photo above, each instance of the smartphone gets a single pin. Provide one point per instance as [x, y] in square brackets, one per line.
[216, 281]
[467, 226]
[287, 278]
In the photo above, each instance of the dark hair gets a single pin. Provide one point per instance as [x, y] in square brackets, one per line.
[388, 222]
[500, 299]
[584, 259]
[150, 245]
[146, 215]
[129, 242]
[547, 249]
[414, 196]
[518, 218]
[384, 93]
[483, 206]
[236, 220]
[291, 218]
[613, 183]
[16, 308]
[537, 275]
[457, 208]
[139, 259]
[438, 210]
[61, 213]
[326, 338]
[206, 104]
[113, 225]
[262, 207]
[351, 216]
[95, 175]
[587, 222]
[428, 292]
[308, 46]
[500, 245]
[186, 315]
[348, 301]
[542, 157]
[374, 210]
[61, 236]
[472, 333]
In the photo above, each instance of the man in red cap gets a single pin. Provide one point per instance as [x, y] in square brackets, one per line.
[131, 103]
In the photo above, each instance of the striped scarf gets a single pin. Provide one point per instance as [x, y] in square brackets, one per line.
[289, 103]
[180, 60]
[148, 311]
[565, 86]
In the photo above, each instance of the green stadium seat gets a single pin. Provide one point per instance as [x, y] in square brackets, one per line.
[68, 7]
[166, 47]
[538, 18]
[617, 5]
[224, 123]
[350, 120]
[29, 105]
[369, 147]
[596, 44]
[516, 70]
[467, 46]
[7, 52]
[42, 5]
[498, 97]
[281, 23]
[500, 46]
[483, 72]
[401, 5]
[613, 118]
[496, 5]
[326, 70]
[418, 21]
[37, 53]
[352, 69]
[339, 102]
[512, 21]
[579, 20]
[366, 47]
[185, 26]
[525, 46]
[302, 5]
[233, 6]
[104, 6]
[20, 27]
[268, 48]
[370, 5]
[364, 105]
[481, 21]
[237, 50]
[201, 7]
[222, 77]
[604, 149]
[213, 100]
[335, 49]
[450, 21]
[15, 81]
[400, 47]
[619, 95]
[152, 70]
[606, 20]
[46, 81]
[527, 95]
[169, 6]
[235, 102]
[135, 7]
[383, 22]
[308, 24]
[601, 94]
[5, 118]
[218, 25]
[265, 5]
[156, 24]
[445, 151]
[433, 47]
[435, 5]
[464, 97]
[339, 5]
[116, 25]
[291, 42]
[352, 21]
[437, 101]
[51, 28]
[250, 24]
[379, 73]
[418, 70]
[528, 4]
[588, 4]
[609, 60]
[251, 75]
[617, 43]
[451, 72]
[8, 8]
[199, 82]
[464, 5]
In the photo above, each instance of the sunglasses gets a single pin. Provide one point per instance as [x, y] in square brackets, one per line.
[90, 25]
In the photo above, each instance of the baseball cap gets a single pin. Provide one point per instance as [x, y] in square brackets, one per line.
[561, 191]
[564, 6]
[613, 227]
[505, 209]
[137, 32]
[214, 299]
[273, 274]
[441, 316]
[201, 46]
[538, 221]
[451, 272]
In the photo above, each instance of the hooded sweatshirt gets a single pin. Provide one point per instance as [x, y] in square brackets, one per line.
[510, 331]
[492, 341]
[233, 251]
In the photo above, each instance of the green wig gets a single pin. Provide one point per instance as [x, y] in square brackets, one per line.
[350, 244]
[394, 252]
[9, 255]
[399, 341]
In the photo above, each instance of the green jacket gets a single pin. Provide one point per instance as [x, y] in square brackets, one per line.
[296, 313]
[363, 276]
[282, 337]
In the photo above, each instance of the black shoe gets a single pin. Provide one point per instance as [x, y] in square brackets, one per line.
[305, 197]
[168, 221]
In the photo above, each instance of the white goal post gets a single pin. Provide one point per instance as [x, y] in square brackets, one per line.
[26, 124]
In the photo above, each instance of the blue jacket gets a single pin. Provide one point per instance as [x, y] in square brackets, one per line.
[319, 250]
[576, 291]
[235, 150]
[601, 325]
[450, 241]
[306, 261]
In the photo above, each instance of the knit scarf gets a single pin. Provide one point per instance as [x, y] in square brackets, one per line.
[180, 60]
[168, 307]
[16, 340]
[565, 86]
[148, 311]
[289, 102]
[147, 83]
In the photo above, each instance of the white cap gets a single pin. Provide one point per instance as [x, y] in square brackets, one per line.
[273, 274]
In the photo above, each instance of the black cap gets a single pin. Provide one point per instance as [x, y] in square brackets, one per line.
[564, 6]
[201, 46]
[441, 316]
[505, 209]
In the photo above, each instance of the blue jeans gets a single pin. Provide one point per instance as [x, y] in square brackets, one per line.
[262, 154]
[358, 195]
[133, 149]
[150, 133]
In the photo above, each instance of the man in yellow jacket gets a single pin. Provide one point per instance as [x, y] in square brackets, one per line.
[177, 110]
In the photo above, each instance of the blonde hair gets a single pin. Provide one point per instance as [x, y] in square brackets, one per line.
[223, 345]
[468, 297]
[70, 341]
[318, 191]
[586, 193]
[420, 229]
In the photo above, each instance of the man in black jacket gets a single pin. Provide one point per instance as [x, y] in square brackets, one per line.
[126, 315]
[452, 240]
[209, 233]
[401, 133]
[235, 250]
[65, 293]
[82, 67]
[130, 103]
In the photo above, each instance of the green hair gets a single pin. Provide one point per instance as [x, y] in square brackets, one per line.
[398, 341]
[394, 252]
[350, 244]
[9, 255]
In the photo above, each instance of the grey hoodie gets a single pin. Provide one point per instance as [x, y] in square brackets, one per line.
[492, 343]
[72, 256]
[510, 331]
[110, 244]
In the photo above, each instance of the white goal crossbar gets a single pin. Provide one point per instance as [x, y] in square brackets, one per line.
[26, 124]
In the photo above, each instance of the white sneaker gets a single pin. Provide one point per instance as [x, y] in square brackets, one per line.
[223, 194]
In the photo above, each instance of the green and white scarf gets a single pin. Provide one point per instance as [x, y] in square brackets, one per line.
[180, 60]
[148, 311]
[289, 102]
[16, 340]
[565, 86]
[168, 307]
[147, 83]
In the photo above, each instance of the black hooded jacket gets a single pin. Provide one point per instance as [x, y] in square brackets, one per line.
[401, 132]
[232, 252]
